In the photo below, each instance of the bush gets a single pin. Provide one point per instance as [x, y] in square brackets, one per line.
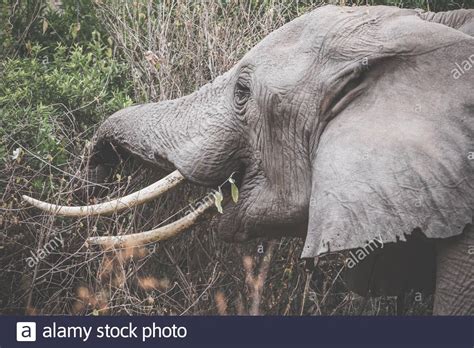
[34, 21]
[42, 95]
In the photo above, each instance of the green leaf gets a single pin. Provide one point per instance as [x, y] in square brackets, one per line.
[218, 197]
[74, 29]
[45, 25]
[234, 190]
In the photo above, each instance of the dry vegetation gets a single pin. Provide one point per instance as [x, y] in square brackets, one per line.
[170, 50]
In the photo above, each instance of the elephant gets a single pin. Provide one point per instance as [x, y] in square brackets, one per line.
[345, 126]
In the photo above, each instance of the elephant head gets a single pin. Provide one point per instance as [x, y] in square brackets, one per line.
[343, 126]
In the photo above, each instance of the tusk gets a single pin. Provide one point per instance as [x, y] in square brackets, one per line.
[144, 195]
[155, 235]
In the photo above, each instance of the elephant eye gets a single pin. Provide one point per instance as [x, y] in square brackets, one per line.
[241, 95]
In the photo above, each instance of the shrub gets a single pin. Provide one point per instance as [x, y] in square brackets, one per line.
[42, 95]
[30, 21]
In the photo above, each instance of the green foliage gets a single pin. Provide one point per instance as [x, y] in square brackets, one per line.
[27, 22]
[40, 94]
[218, 198]
[57, 73]
[234, 190]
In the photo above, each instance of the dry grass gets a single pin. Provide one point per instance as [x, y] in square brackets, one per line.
[196, 273]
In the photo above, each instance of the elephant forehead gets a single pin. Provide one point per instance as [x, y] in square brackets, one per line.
[344, 34]
[310, 30]
[282, 58]
[288, 54]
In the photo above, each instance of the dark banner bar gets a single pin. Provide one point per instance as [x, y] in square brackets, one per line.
[452, 332]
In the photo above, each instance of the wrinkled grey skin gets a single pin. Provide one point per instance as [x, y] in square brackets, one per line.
[462, 20]
[343, 126]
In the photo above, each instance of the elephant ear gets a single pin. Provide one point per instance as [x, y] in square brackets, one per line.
[462, 20]
[399, 156]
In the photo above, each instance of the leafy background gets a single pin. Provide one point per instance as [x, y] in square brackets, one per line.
[67, 65]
